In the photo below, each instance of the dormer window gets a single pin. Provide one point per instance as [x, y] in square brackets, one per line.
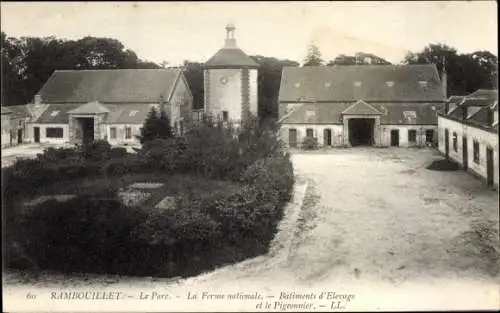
[328, 84]
[357, 83]
[310, 114]
[389, 83]
[133, 113]
[422, 83]
[297, 85]
[54, 113]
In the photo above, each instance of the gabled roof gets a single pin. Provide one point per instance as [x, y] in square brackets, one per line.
[361, 108]
[391, 113]
[94, 107]
[110, 86]
[56, 114]
[362, 82]
[6, 110]
[478, 105]
[19, 111]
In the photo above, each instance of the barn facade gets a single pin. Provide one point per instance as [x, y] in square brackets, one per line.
[374, 105]
[77, 106]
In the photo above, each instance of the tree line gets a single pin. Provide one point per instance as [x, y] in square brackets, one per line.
[28, 62]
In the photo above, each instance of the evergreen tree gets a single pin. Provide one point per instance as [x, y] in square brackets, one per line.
[313, 57]
[155, 127]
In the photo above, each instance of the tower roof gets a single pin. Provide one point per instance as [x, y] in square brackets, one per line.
[230, 56]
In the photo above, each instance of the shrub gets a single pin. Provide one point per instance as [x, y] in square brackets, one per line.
[82, 234]
[310, 143]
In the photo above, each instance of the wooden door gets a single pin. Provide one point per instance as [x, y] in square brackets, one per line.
[489, 166]
[327, 137]
[19, 136]
[447, 143]
[36, 133]
[395, 137]
[292, 137]
[465, 153]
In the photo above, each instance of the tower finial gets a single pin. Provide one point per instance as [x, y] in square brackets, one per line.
[230, 40]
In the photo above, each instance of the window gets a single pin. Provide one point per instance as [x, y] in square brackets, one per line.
[128, 133]
[225, 116]
[309, 132]
[112, 132]
[54, 132]
[20, 123]
[475, 147]
[133, 113]
[54, 113]
[412, 135]
[455, 142]
[429, 135]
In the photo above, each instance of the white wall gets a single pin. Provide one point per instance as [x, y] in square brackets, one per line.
[224, 97]
[485, 139]
[253, 89]
[43, 132]
[120, 133]
[318, 131]
[385, 133]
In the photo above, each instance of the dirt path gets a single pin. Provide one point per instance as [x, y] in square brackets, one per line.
[379, 225]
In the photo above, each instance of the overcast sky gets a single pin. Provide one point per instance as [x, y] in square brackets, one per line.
[174, 32]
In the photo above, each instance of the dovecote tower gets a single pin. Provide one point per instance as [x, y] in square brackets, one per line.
[230, 82]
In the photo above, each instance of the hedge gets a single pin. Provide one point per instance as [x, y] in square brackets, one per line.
[97, 233]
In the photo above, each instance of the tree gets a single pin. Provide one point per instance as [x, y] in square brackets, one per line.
[28, 62]
[465, 72]
[360, 58]
[313, 57]
[155, 127]
[269, 79]
[194, 76]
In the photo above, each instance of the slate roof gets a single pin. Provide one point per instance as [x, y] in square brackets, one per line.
[49, 116]
[19, 111]
[6, 110]
[391, 113]
[362, 82]
[127, 114]
[94, 107]
[117, 113]
[231, 57]
[479, 105]
[110, 86]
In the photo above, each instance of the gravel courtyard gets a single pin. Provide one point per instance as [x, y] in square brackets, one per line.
[377, 223]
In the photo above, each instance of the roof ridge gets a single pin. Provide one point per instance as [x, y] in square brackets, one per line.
[117, 69]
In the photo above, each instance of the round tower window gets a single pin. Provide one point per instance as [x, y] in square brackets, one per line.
[223, 80]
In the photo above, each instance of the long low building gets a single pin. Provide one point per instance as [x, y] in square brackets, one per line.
[376, 105]
[468, 133]
[78, 106]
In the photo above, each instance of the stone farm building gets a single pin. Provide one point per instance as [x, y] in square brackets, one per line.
[468, 133]
[78, 106]
[14, 125]
[377, 105]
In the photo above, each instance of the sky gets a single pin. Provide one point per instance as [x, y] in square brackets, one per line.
[177, 31]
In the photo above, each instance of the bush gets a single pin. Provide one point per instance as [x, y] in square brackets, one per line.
[310, 143]
[82, 234]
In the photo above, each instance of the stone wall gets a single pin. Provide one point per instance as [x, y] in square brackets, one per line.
[483, 137]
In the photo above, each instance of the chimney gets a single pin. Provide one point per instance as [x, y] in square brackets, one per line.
[37, 99]
[230, 40]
